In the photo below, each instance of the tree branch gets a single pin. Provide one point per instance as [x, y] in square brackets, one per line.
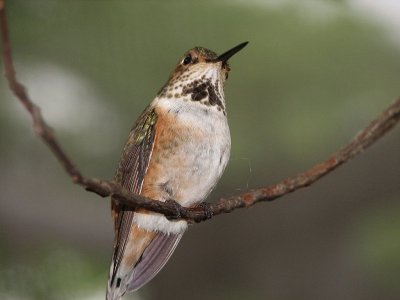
[171, 209]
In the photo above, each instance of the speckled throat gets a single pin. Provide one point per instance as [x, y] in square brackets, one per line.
[200, 85]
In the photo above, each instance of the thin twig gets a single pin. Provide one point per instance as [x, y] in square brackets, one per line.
[39, 125]
[368, 136]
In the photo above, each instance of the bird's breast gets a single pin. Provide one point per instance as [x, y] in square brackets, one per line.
[190, 152]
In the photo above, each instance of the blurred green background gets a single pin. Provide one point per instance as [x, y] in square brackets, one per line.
[314, 73]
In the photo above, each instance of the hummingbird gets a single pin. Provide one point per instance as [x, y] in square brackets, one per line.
[177, 150]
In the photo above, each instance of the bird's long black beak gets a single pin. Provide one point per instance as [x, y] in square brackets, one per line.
[228, 54]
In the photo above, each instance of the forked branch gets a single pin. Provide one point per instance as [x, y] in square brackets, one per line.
[368, 136]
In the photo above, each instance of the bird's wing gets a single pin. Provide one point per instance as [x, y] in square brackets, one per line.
[153, 259]
[130, 174]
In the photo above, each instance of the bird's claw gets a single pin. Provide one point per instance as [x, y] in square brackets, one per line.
[206, 209]
[177, 208]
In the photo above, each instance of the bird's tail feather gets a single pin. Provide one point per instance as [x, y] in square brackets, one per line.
[153, 259]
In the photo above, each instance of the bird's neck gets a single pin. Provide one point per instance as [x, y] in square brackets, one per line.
[204, 91]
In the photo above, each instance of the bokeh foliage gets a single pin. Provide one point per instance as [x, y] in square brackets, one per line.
[314, 73]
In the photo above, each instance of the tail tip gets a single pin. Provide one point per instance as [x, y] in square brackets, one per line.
[115, 291]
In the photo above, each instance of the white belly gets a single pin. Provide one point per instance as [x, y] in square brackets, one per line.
[192, 153]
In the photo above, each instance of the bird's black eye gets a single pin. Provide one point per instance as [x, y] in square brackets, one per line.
[187, 60]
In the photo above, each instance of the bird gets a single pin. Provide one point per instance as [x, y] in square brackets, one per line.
[176, 150]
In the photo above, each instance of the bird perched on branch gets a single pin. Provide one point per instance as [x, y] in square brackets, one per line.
[177, 150]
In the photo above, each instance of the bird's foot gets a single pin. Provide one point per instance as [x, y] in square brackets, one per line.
[206, 209]
[176, 206]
